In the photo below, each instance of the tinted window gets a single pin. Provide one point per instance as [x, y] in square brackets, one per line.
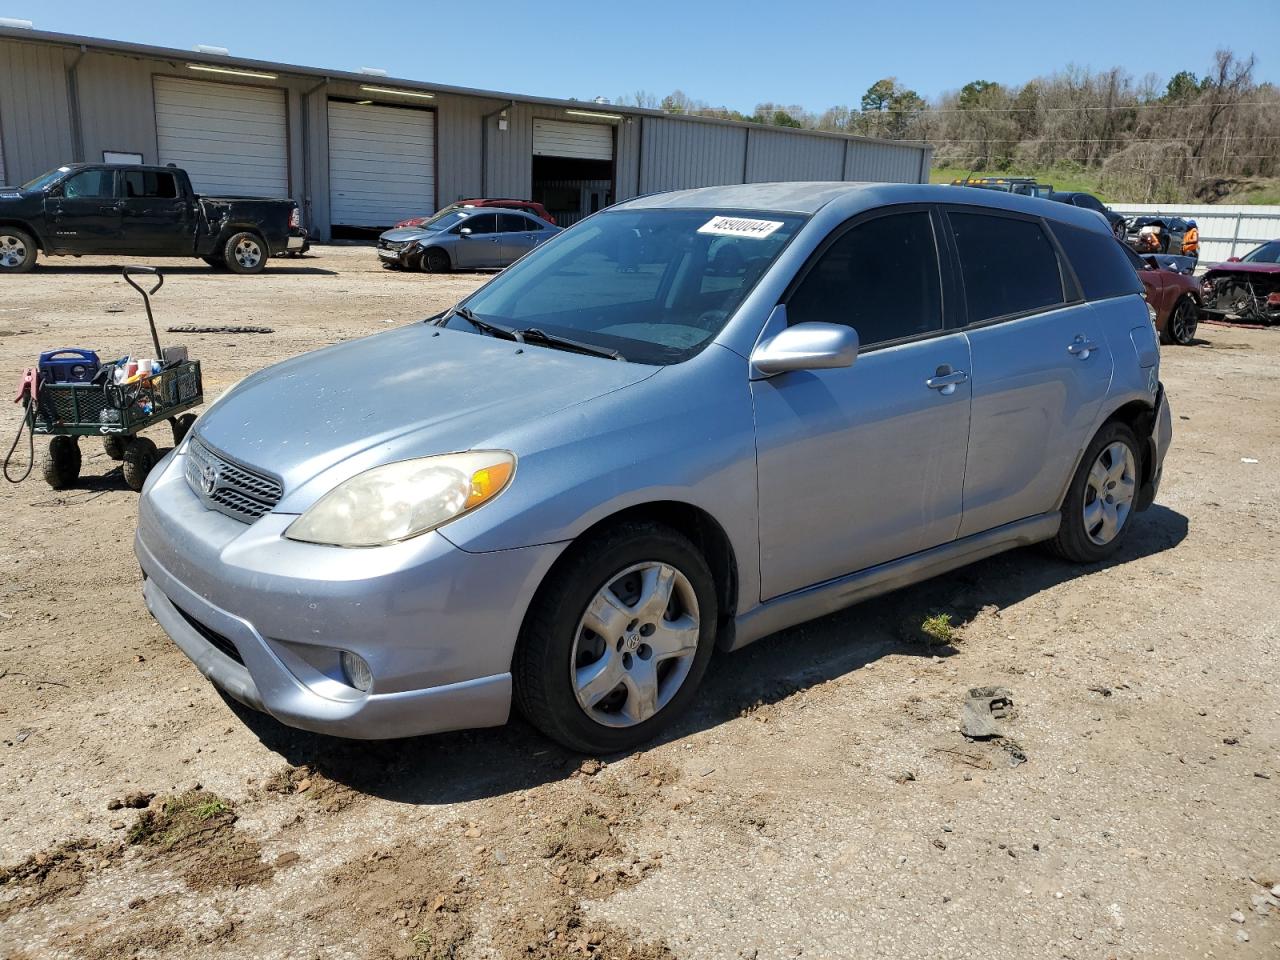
[881, 278]
[1090, 202]
[1267, 253]
[1009, 265]
[512, 223]
[90, 183]
[1100, 267]
[482, 223]
[139, 184]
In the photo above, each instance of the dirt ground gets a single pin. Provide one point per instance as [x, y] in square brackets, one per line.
[819, 801]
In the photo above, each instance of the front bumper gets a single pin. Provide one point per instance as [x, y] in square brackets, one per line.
[1157, 446]
[405, 256]
[264, 617]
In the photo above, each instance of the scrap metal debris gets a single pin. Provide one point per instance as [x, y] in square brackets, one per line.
[193, 328]
[983, 706]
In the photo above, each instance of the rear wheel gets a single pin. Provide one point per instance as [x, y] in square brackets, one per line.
[139, 457]
[61, 466]
[17, 251]
[1098, 508]
[434, 261]
[617, 640]
[114, 446]
[1181, 328]
[245, 253]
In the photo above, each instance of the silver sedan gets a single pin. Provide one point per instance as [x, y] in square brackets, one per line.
[479, 238]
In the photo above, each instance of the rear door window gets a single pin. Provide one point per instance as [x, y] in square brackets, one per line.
[880, 277]
[1099, 262]
[1008, 265]
[149, 185]
[512, 223]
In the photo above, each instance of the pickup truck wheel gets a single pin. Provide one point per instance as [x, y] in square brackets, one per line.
[434, 261]
[245, 253]
[17, 251]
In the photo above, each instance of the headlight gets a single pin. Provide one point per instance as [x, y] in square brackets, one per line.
[402, 500]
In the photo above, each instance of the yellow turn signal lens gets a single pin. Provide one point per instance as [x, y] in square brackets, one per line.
[488, 482]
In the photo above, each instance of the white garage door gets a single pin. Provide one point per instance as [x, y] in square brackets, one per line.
[585, 141]
[233, 140]
[381, 164]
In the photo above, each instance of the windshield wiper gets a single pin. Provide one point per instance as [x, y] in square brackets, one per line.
[552, 340]
[494, 329]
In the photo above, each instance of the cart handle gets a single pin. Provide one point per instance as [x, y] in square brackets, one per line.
[128, 273]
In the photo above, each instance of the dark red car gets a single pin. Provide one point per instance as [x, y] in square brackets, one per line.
[528, 206]
[1174, 299]
[1246, 288]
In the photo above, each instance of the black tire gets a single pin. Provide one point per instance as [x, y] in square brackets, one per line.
[139, 457]
[544, 692]
[114, 446]
[434, 261]
[1073, 541]
[245, 253]
[1183, 320]
[61, 464]
[181, 426]
[17, 251]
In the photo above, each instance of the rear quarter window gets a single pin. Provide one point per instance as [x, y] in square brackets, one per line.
[1099, 262]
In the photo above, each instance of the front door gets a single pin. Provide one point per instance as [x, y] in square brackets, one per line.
[84, 213]
[155, 217]
[863, 465]
[1041, 367]
[479, 243]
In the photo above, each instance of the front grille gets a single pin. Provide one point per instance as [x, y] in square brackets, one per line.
[229, 487]
[220, 643]
[391, 245]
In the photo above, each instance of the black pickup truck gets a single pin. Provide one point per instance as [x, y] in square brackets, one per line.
[103, 208]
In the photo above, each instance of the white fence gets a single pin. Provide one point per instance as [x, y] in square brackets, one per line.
[1225, 230]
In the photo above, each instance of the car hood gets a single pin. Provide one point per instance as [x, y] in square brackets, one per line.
[1244, 268]
[320, 418]
[401, 234]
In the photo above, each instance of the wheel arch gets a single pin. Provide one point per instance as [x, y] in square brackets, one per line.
[1138, 415]
[437, 248]
[25, 228]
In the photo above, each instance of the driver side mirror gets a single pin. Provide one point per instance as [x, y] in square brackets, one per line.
[1233, 260]
[464, 232]
[806, 346]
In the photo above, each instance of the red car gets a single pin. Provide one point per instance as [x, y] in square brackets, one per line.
[1172, 298]
[528, 206]
[1247, 287]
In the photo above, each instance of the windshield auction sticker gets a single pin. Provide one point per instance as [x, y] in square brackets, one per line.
[739, 227]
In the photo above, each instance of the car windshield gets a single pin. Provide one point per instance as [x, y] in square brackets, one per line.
[655, 285]
[445, 218]
[42, 181]
[1267, 253]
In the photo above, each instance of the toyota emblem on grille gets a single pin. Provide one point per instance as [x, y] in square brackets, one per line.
[208, 478]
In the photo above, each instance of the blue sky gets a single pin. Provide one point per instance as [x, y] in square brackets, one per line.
[813, 52]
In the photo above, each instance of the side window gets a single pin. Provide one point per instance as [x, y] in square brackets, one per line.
[481, 223]
[512, 223]
[1009, 266]
[1099, 262]
[89, 183]
[147, 184]
[880, 277]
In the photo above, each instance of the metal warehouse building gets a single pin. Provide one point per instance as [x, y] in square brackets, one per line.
[358, 150]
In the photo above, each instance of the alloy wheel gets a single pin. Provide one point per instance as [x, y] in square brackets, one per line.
[635, 644]
[13, 252]
[248, 254]
[1183, 323]
[1109, 493]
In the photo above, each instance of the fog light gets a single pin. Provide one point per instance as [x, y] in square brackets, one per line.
[357, 671]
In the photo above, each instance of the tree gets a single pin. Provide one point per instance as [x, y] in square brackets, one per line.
[1182, 86]
[878, 95]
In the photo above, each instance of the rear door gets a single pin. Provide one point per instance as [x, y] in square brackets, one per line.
[480, 244]
[862, 465]
[517, 236]
[155, 217]
[1041, 366]
[84, 212]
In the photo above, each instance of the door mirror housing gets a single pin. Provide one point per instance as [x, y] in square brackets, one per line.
[464, 231]
[806, 346]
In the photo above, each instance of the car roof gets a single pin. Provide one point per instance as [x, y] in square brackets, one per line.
[854, 197]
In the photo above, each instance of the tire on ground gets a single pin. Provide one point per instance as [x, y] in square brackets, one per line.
[544, 691]
[114, 446]
[1181, 330]
[1072, 541]
[17, 251]
[61, 464]
[139, 457]
[245, 253]
[434, 260]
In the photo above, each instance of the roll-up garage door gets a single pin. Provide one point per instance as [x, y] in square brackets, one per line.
[233, 140]
[381, 164]
[2, 179]
[560, 138]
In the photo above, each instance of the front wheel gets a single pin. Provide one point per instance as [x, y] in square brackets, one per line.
[245, 253]
[17, 251]
[139, 457]
[617, 639]
[1181, 328]
[434, 261]
[61, 467]
[1098, 508]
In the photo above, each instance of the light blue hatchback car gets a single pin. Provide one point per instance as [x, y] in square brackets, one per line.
[687, 422]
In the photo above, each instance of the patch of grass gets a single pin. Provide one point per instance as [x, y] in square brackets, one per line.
[1065, 179]
[179, 818]
[939, 630]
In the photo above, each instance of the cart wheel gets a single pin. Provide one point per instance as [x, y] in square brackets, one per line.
[61, 466]
[139, 458]
[114, 446]
[181, 426]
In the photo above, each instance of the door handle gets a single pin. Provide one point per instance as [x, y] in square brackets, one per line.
[1081, 348]
[111, 208]
[946, 380]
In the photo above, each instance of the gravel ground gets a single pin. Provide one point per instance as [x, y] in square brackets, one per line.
[820, 801]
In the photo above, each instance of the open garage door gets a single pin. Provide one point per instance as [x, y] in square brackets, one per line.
[381, 164]
[233, 140]
[572, 168]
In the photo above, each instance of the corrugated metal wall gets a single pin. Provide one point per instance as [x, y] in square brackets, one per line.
[652, 153]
